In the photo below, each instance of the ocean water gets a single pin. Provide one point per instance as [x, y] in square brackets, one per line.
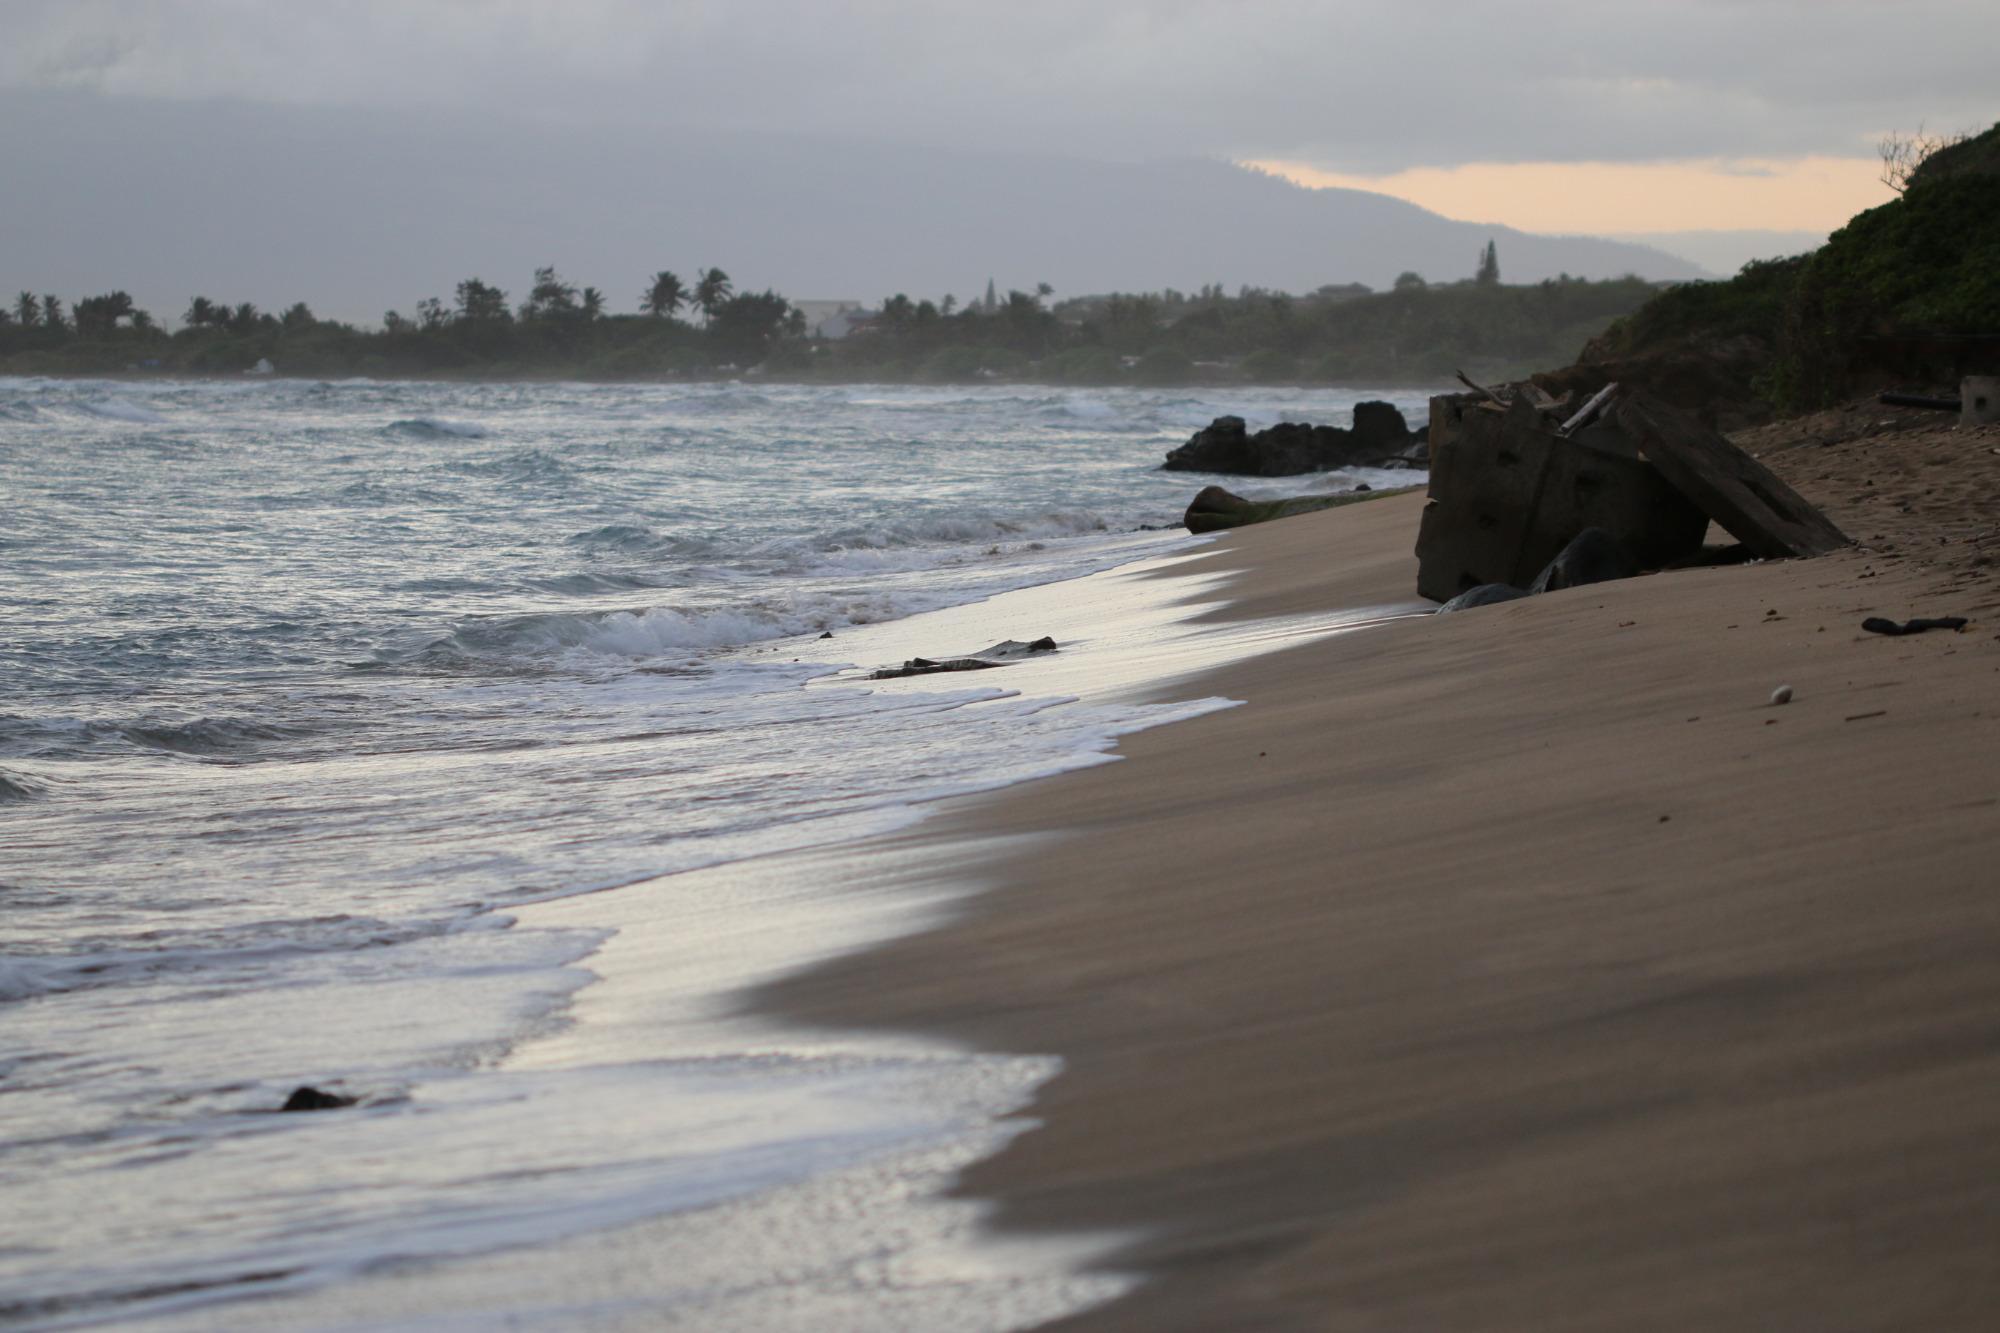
[307, 689]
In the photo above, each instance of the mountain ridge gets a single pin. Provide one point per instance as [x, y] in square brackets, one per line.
[359, 211]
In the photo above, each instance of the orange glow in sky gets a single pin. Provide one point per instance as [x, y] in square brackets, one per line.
[1798, 194]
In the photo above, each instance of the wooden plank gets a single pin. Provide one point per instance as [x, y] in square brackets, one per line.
[1586, 413]
[1734, 489]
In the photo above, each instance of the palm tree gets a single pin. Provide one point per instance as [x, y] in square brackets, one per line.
[710, 291]
[665, 296]
[593, 303]
[27, 309]
[550, 296]
[200, 312]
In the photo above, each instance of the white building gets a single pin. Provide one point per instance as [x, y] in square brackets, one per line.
[835, 319]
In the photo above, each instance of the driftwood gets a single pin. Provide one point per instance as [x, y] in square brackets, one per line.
[1000, 654]
[1590, 410]
[1477, 388]
[1731, 487]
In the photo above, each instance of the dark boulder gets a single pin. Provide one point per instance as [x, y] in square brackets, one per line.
[1486, 594]
[312, 1099]
[1379, 428]
[1215, 509]
[1286, 449]
[1291, 448]
[1592, 556]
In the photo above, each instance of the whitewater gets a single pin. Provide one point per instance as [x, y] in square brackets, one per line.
[310, 692]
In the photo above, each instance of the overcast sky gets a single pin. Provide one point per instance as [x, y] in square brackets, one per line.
[1355, 86]
[1604, 116]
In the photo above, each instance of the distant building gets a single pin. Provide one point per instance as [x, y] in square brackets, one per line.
[833, 319]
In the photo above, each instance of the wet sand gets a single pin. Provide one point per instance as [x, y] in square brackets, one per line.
[1525, 968]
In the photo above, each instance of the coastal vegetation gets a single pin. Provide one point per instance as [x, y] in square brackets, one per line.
[1419, 332]
[1908, 291]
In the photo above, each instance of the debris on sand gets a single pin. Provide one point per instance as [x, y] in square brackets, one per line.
[1000, 654]
[1517, 477]
[1877, 625]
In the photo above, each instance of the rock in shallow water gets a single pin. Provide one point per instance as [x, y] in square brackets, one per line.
[312, 1099]
[1380, 436]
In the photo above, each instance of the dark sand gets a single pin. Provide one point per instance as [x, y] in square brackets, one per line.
[1526, 969]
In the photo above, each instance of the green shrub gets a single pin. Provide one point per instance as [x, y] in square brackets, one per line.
[1270, 366]
[1928, 263]
[1164, 366]
[1086, 365]
[953, 365]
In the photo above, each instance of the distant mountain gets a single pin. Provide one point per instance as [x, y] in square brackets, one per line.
[356, 212]
[1724, 252]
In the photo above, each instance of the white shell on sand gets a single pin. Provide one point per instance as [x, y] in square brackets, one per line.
[1781, 695]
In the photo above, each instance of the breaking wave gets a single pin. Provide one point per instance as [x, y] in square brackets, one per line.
[119, 409]
[637, 635]
[208, 736]
[431, 427]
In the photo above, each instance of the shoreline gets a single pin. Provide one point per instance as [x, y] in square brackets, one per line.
[850, 1200]
[1429, 382]
[1537, 974]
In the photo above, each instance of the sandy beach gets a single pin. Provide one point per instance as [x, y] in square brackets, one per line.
[1525, 968]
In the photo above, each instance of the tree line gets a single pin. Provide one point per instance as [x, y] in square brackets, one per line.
[1419, 331]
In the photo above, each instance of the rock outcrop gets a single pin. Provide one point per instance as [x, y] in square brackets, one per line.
[1379, 437]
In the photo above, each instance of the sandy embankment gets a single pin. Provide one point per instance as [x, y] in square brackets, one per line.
[1525, 969]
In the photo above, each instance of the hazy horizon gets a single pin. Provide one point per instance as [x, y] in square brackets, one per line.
[356, 213]
[364, 157]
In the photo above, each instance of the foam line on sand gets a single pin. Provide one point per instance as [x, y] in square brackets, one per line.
[1524, 968]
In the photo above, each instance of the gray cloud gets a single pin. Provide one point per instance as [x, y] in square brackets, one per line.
[1366, 85]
